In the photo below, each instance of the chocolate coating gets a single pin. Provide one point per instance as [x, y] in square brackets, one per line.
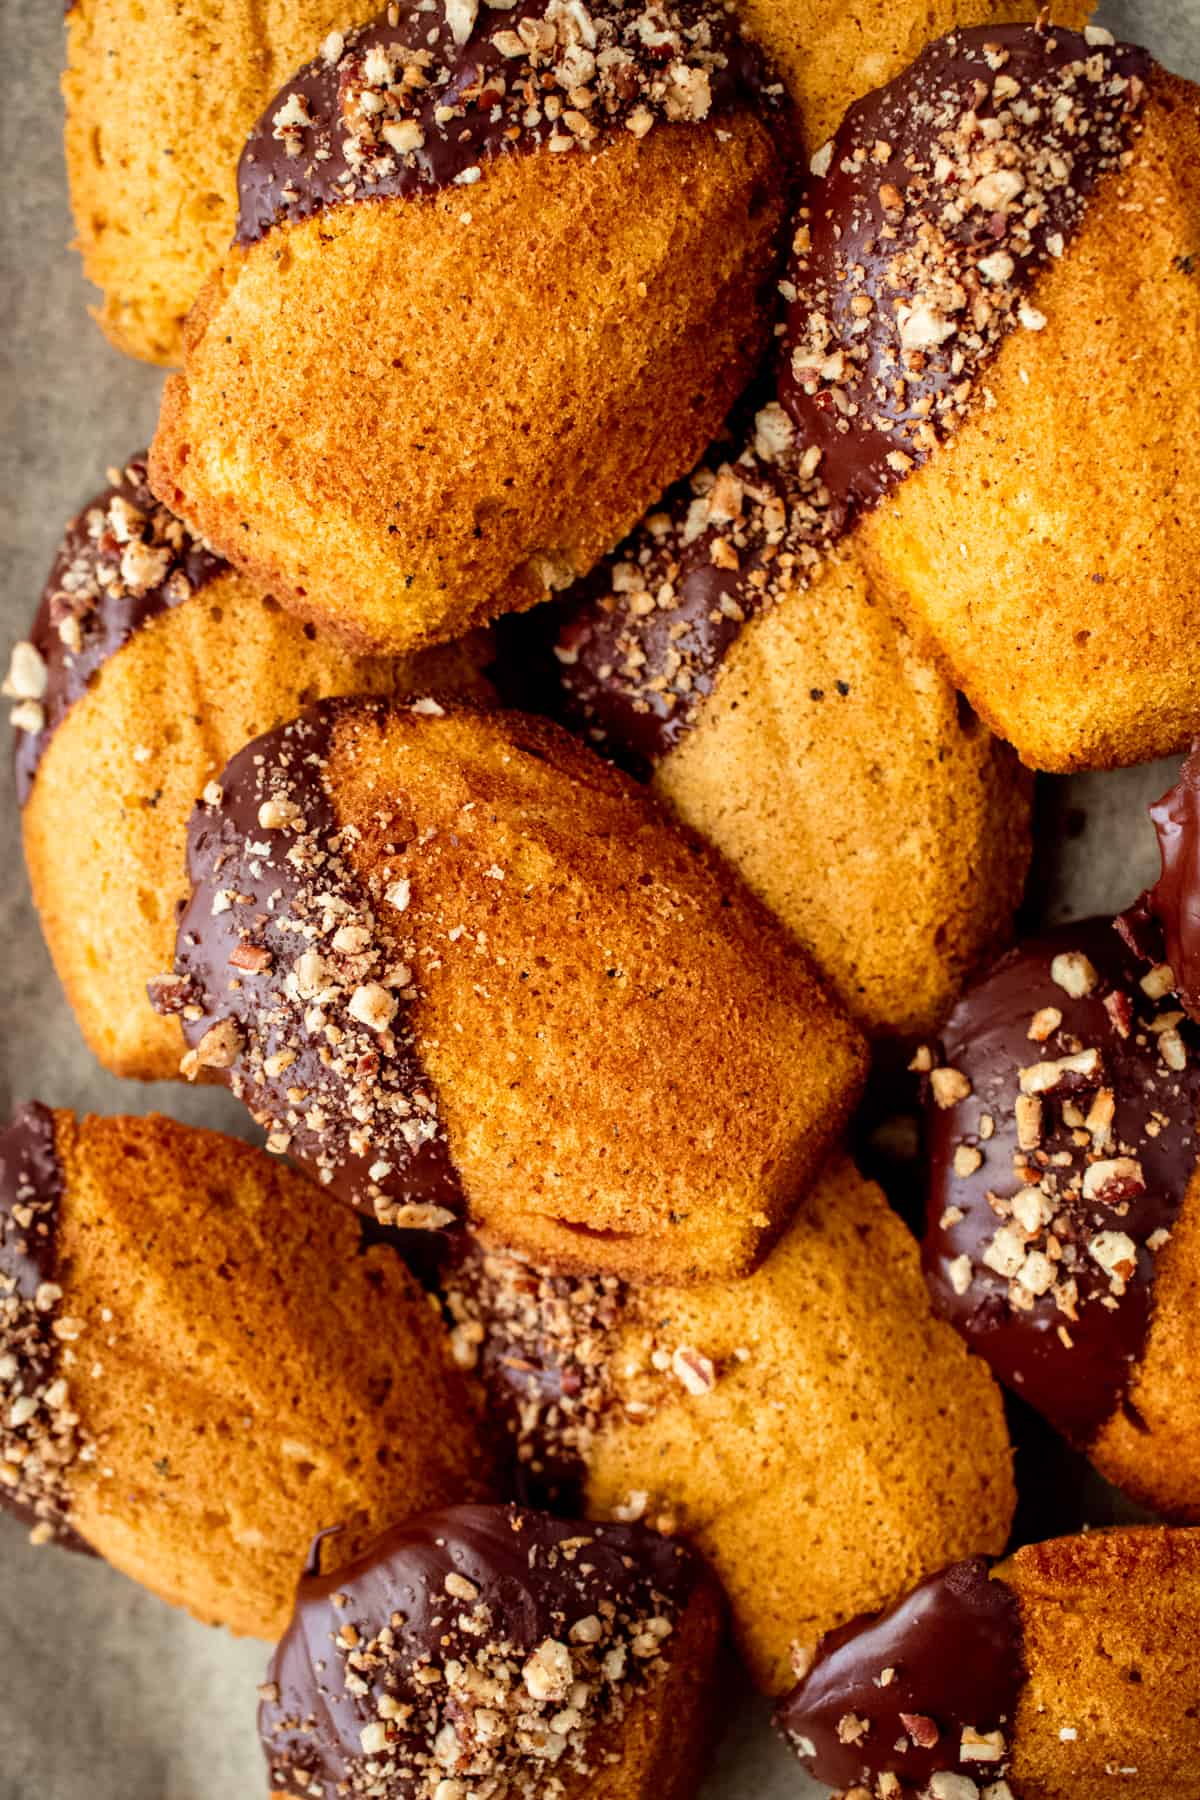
[31, 1191]
[1163, 925]
[1100, 1183]
[447, 89]
[922, 237]
[954, 1649]
[118, 567]
[275, 950]
[516, 1579]
[538, 1340]
[645, 636]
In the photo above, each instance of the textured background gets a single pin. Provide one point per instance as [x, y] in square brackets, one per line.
[104, 1693]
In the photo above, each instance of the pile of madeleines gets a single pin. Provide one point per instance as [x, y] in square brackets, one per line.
[547, 903]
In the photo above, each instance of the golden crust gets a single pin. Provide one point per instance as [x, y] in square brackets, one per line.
[831, 52]
[635, 1065]
[158, 105]
[1111, 1622]
[884, 825]
[1152, 1449]
[1050, 548]
[399, 445]
[850, 1446]
[257, 1379]
[121, 773]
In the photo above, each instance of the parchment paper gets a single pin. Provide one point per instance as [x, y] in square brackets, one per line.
[106, 1694]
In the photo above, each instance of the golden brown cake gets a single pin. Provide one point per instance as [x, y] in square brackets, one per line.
[779, 707]
[463, 339]
[150, 662]
[991, 352]
[457, 966]
[814, 1430]
[197, 1376]
[1068, 1671]
[498, 1651]
[158, 107]
[1063, 1235]
[831, 52]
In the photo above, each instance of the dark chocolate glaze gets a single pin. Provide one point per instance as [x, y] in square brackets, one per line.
[1163, 925]
[1072, 1364]
[468, 102]
[955, 1652]
[31, 1185]
[538, 1340]
[874, 234]
[643, 640]
[530, 1578]
[258, 906]
[90, 608]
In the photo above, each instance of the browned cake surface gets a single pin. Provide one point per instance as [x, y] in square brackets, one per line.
[401, 444]
[159, 102]
[635, 1065]
[859, 797]
[247, 1378]
[1049, 548]
[1110, 1704]
[1151, 1446]
[830, 52]
[120, 776]
[813, 1430]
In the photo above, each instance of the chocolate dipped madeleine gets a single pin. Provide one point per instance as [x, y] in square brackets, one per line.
[1063, 1229]
[158, 110]
[196, 1376]
[500, 1653]
[779, 707]
[149, 663]
[458, 967]
[991, 351]
[1067, 1671]
[814, 1430]
[830, 52]
[498, 278]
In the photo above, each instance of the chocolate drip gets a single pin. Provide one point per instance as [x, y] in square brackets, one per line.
[925, 232]
[291, 989]
[1163, 925]
[391, 1664]
[124, 560]
[426, 96]
[929, 1686]
[35, 1450]
[641, 648]
[1051, 1193]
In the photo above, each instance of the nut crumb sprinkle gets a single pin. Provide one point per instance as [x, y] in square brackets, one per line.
[295, 982]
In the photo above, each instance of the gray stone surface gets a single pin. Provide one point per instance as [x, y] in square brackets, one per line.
[104, 1693]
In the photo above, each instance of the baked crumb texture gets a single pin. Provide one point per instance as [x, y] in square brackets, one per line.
[196, 1372]
[437, 389]
[775, 701]
[456, 965]
[785, 1425]
[1065, 1671]
[496, 1651]
[1061, 1231]
[148, 664]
